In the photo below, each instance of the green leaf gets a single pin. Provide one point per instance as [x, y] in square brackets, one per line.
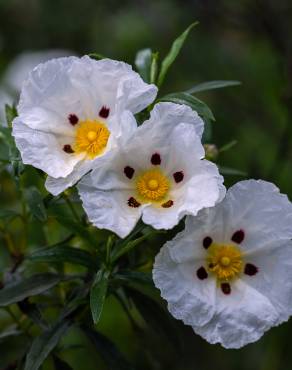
[64, 254]
[135, 276]
[231, 171]
[10, 332]
[33, 312]
[43, 345]
[35, 203]
[173, 53]
[211, 85]
[8, 214]
[11, 113]
[196, 104]
[65, 220]
[24, 288]
[160, 322]
[98, 294]
[5, 135]
[113, 359]
[154, 67]
[227, 146]
[127, 246]
[96, 56]
[143, 63]
[61, 364]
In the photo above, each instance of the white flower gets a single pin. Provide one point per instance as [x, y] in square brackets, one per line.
[158, 173]
[229, 273]
[71, 112]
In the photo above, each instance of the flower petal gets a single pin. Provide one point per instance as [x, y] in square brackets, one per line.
[241, 317]
[185, 294]
[108, 210]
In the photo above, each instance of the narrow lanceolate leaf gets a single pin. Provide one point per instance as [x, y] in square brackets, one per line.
[211, 85]
[11, 113]
[96, 56]
[98, 294]
[154, 67]
[196, 104]
[113, 359]
[24, 288]
[64, 254]
[231, 171]
[135, 277]
[43, 345]
[143, 63]
[36, 203]
[173, 53]
[10, 332]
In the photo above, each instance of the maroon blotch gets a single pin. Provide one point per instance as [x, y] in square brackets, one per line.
[129, 172]
[178, 176]
[73, 119]
[226, 289]
[250, 269]
[167, 204]
[207, 242]
[132, 202]
[68, 149]
[156, 159]
[202, 273]
[104, 112]
[238, 236]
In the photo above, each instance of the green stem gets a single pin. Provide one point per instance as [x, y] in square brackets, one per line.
[70, 205]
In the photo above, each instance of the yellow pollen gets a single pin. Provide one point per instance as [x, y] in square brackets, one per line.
[91, 137]
[225, 261]
[152, 186]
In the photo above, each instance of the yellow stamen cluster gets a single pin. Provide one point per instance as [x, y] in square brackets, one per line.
[225, 261]
[152, 186]
[91, 137]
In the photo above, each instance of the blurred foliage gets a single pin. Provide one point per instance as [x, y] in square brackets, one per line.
[245, 40]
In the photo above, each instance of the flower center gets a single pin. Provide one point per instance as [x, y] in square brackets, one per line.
[225, 261]
[152, 185]
[91, 137]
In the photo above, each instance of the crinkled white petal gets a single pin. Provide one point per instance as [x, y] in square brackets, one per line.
[177, 283]
[57, 185]
[168, 115]
[240, 318]
[201, 187]
[256, 303]
[108, 210]
[80, 86]
[172, 132]
[44, 150]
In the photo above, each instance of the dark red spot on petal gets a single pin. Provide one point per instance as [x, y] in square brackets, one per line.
[167, 204]
[202, 273]
[178, 176]
[129, 172]
[238, 236]
[207, 242]
[104, 112]
[250, 269]
[73, 119]
[156, 159]
[68, 149]
[132, 202]
[226, 289]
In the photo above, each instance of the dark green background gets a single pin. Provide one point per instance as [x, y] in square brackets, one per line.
[246, 40]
